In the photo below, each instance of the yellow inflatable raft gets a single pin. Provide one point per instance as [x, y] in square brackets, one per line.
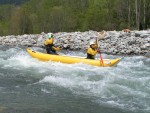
[72, 59]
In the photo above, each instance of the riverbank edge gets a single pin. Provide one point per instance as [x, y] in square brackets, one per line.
[114, 43]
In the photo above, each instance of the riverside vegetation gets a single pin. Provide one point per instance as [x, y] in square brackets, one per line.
[20, 19]
[35, 16]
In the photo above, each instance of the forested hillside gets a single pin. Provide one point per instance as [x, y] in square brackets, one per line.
[37, 16]
[16, 2]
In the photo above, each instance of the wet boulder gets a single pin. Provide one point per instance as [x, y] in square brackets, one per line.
[147, 55]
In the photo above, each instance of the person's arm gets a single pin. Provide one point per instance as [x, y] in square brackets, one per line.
[56, 48]
[96, 46]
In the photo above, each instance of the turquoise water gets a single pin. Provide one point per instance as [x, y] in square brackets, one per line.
[30, 86]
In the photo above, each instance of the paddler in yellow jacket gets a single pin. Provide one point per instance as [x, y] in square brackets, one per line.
[50, 47]
[92, 50]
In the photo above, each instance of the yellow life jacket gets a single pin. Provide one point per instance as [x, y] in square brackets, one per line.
[92, 51]
[48, 41]
[50, 45]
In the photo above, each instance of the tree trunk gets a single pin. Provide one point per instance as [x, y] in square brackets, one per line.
[136, 12]
[144, 14]
[129, 13]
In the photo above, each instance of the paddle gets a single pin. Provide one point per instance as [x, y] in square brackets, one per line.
[101, 59]
[100, 36]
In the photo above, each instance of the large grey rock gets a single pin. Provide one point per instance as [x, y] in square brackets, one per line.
[146, 46]
[132, 42]
[144, 35]
[147, 54]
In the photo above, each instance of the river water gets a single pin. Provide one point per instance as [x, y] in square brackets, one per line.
[30, 86]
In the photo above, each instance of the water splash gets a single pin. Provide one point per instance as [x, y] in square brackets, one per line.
[126, 86]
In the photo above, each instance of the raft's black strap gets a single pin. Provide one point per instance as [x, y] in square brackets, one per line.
[33, 51]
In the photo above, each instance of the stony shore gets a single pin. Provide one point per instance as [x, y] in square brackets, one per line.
[115, 42]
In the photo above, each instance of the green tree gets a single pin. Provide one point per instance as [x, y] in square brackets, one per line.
[20, 22]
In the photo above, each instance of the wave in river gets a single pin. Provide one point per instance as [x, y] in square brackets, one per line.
[126, 86]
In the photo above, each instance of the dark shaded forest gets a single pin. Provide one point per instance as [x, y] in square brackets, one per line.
[36, 16]
[16, 2]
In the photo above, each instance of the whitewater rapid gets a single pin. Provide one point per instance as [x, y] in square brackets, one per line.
[125, 87]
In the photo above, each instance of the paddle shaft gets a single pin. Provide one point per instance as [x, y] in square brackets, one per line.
[101, 59]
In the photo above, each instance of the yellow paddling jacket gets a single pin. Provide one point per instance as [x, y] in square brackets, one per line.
[91, 53]
[50, 46]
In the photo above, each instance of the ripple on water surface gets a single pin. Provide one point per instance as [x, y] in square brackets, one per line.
[25, 81]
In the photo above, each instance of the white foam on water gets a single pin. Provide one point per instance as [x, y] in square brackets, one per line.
[111, 86]
[45, 90]
[123, 86]
[78, 85]
[131, 62]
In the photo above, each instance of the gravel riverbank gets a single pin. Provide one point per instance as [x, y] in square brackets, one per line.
[115, 42]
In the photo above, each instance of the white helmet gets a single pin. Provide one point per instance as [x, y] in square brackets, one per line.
[50, 35]
[92, 42]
